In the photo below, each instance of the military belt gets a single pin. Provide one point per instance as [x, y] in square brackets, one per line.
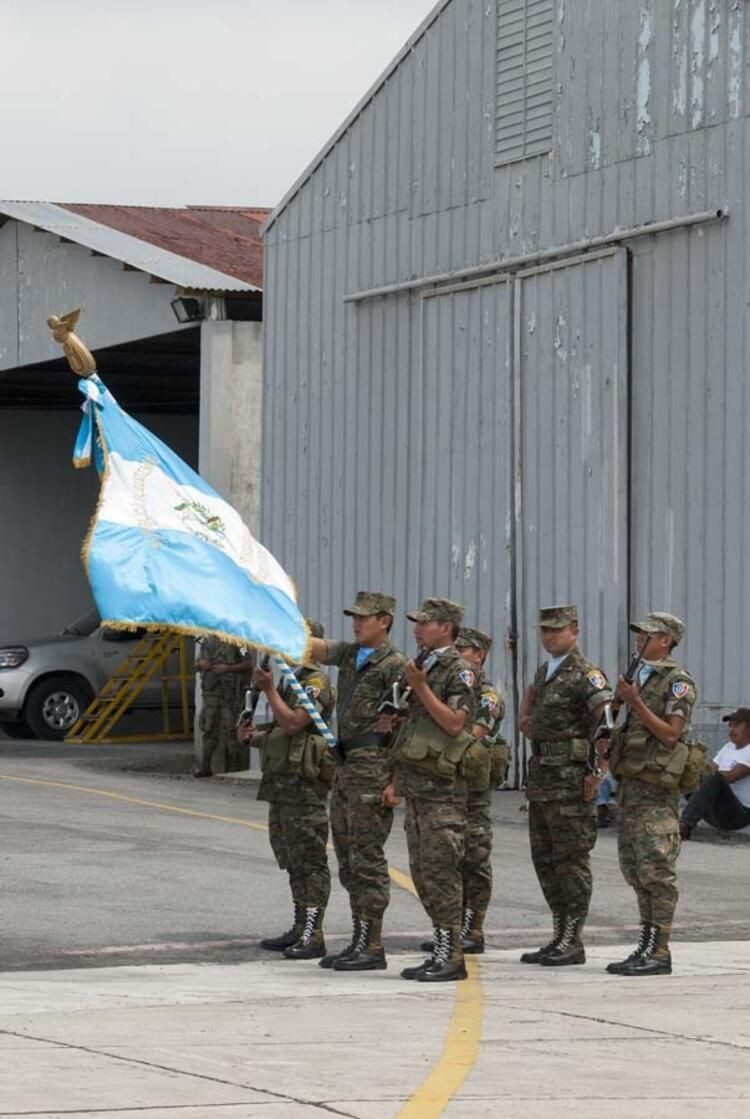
[563, 750]
[371, 739]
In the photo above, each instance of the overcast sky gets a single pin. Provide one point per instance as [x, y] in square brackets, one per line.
[165, 102]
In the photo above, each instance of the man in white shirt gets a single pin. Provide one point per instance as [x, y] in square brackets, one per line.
[723, 799]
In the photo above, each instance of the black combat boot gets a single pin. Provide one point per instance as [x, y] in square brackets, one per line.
[537, 956]
[311, 945]
[369, 953]
[655, 959]
[472, 936]
[568, 949]
[415, 972]
[328, 961]
[447, 963]
[472, 932]
[279, 943]
[640, 948]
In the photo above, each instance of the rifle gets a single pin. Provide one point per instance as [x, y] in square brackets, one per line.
[612, 710]
[395, 700]
[252, 697]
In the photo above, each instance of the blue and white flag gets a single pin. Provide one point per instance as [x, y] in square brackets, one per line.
[165, 551]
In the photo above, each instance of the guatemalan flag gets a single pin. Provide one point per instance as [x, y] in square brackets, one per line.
[165, 551]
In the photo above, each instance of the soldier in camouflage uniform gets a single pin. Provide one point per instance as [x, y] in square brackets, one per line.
[297, 771]
[648, 759]
[360, 820]
[224, 671]
[429, 755]
[474, 645]
[559, 713]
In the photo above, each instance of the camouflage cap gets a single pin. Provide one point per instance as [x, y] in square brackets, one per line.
[316, 629]
[372, 602]
[659, 622]
[469, 638]
[438, 610]
[558, 617]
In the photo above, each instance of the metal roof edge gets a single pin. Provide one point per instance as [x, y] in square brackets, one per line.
[139, 254]
[392, 66]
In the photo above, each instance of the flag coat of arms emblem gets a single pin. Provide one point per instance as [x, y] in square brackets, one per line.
[164, 550]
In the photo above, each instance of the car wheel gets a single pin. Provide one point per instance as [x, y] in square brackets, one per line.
[54, 705]
[17, 729]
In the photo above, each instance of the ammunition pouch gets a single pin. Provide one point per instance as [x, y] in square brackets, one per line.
[304, 755]
[499, 763]
[695, 766]
[424, 745]
[476, 766]
[645, 757]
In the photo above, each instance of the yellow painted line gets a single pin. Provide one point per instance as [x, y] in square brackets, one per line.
[397, 876]
[464, 1032]
[459, 1054]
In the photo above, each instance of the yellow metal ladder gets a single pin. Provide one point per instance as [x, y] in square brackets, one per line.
[148, 660]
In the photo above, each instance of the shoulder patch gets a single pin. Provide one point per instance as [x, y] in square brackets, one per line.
[312, 691]
[467, 677]
[680, 689]
[489, 700]
[597, 679]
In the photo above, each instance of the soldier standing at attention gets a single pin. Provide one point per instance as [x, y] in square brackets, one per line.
[427, 753]
[559, 713]
[648, 759]
[297, 770]
[474, 645]
[224, 668]
[360, 820]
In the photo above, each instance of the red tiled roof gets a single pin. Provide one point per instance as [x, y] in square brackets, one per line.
[223, 237]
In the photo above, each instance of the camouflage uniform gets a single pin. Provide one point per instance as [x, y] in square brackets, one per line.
[477, 865]
[562, 825]
[297, 820]
[222, 702]
[648, 775]
[429, 775]
[360, 824]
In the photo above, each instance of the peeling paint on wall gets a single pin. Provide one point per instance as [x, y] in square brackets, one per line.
[559, 343]
[595, 147]
[735, 59]
[679, 94]
[713, 41]
[697, 63]
[643, 80]
[470, 559]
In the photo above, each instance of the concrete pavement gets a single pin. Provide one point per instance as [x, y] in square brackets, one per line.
[289, 1041]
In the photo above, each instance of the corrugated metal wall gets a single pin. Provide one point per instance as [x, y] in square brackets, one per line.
[572, 511]
[650, 123]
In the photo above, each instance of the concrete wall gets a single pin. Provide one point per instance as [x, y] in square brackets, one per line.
[45, 508]
[231, 413]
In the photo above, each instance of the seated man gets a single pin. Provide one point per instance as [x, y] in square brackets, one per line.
[723, 799]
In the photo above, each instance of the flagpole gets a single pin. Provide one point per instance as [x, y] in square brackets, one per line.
[306, 702]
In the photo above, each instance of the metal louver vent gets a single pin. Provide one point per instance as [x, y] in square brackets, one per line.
[525, 70]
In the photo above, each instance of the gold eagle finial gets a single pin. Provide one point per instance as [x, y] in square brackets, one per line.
[80, 358]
